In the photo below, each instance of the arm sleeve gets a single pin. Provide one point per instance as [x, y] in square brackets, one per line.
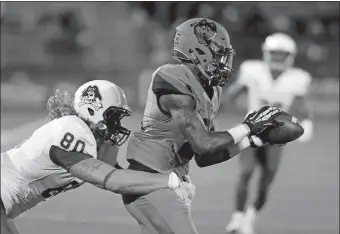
[66, 159]
[108, 153]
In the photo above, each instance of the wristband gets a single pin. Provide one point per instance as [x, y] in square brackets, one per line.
[173, 182]
[239, 147]
[239, 132]
[252, 144]
[107, 177]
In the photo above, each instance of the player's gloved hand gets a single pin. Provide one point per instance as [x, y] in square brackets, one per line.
[184, 190]
[256, 142]
[178, 187]
[259, 121]
[191, 188]
[174, 181]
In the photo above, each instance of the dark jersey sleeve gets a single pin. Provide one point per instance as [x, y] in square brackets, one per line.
[171, 79]
[66, 159]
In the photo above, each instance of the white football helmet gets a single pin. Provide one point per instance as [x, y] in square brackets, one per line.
[279, 51]
[104, 104]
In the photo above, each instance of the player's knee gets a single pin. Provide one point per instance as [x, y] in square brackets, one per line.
[271, 172]
[245, 175]
[268, 176]
[243, 182]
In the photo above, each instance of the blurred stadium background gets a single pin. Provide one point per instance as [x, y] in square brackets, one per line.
[49, 45]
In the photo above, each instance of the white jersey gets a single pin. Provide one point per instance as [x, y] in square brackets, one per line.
[264, 90]
[28, 176]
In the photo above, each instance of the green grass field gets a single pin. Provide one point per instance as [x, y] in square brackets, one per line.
[304, 198]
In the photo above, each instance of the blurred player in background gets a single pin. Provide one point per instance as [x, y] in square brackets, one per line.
[72, 149]
[271, 81]
[177, 125]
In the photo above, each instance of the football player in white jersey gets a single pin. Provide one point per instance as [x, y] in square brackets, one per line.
[271, 81]
[73, 148]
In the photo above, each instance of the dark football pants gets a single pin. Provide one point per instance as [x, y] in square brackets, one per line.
[160, 212]
[268, 158]
[7, 224]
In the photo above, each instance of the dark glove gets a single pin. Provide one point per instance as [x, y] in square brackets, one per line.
[260, 121]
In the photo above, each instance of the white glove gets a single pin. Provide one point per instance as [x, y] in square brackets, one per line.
[174, 181]
[185, 190]
[190, 187]
[256, 142]
[307, 125]
[191, 190]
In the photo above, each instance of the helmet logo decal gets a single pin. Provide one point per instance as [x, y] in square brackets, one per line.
[91, 96]
[205, 31]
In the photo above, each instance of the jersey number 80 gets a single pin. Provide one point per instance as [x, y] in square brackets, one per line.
[68, 140]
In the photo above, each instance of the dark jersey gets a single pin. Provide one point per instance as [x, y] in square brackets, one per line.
[159, 144]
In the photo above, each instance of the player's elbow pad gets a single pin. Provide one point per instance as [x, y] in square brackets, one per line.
[66, 159]
[307, 125]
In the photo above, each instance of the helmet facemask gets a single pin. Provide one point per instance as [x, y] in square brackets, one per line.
[279, 51]
[219, 70]
[206, 44]
[111, 129]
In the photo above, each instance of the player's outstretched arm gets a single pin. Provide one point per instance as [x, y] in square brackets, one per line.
[104, 176]
[212, 146]
[299, 110]
[245, 143]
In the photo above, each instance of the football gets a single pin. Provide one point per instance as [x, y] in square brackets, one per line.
[287, 129]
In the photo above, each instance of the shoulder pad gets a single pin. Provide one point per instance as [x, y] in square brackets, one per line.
[73, 134]
[171, 79]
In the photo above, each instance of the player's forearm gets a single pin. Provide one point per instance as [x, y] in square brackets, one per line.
[105, 176]
[212, 159]
[202, 141]
[92, 171]
[222, 156]
[208, 143]
[239, 147]
[136, 182]
[119, 181]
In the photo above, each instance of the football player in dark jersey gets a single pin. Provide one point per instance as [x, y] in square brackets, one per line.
[182, 102]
